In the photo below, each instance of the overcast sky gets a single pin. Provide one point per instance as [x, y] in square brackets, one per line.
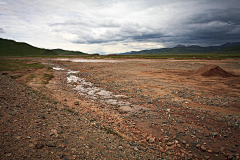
[116, 26]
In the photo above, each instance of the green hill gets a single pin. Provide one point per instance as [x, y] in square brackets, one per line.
[229, 50]
[12, 48]
[66, 52]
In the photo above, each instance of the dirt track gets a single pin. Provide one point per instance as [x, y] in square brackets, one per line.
[167, 106]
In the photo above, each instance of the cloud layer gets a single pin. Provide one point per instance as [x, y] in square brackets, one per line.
[111, 26]
[2, 30]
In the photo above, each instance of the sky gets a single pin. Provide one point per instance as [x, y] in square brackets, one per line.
[117, 26]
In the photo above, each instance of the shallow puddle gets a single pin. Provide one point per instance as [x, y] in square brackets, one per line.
[90, 60]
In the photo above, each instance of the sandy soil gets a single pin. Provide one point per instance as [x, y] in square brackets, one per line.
[178, 109]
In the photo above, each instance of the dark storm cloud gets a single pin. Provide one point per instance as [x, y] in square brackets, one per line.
[107, 24]
[214, 26]
[209, 26]
[229, 15]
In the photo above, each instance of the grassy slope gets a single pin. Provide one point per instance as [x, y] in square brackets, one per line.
[65, 52]
[229, 50]
[190, 50]
[12, 48]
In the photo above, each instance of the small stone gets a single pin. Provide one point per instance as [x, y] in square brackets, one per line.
[39, 146]
[171, 147]
[237, 157]
[51, 134]
[178, 145]
[50, 144]
[31, 145]
[62, 156]
[225, 154]
[198, 145]
[162, 150]
[120, 147]
[209, 151]
[19, 137]
[12, 113]
[184, 142]
[76, 103]
[9, 154]
[222, 149]
[232, 150]
[169, 143]
[135, 149]
[151, 140]
[203, 148]
[214, 133]
[230, 156]
[42, 116]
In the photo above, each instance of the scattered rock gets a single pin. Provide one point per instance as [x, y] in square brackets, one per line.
[12, 113]
[39, 146]
[209, 151]
[151, 140]
[162, 150]
[76, 103]
[50, 144]
[232, 150]
[198, 145]
[203, 148]
[214, 133]
[169, 143]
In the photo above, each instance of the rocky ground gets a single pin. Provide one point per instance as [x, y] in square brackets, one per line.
[34, 127]
[129, 109]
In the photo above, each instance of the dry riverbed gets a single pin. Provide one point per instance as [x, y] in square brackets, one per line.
[126, 109]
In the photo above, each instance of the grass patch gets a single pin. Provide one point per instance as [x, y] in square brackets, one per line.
[34, 65]
[47, 78]
[28, 68]
[19, 65]
[110, 131]
[32, 76]
[71, 111]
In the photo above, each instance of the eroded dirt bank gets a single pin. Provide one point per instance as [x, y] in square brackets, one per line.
[161, 108]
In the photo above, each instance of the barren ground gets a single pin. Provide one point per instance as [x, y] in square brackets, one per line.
[174, 109]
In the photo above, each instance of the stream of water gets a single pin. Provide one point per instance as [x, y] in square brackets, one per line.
[88, 90]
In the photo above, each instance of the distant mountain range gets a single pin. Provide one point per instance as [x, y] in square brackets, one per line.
[13, 48]
[182, 49]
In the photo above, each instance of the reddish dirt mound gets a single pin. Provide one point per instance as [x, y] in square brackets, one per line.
[213, 70]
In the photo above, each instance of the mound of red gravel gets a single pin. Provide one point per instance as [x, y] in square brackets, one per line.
[213, 70]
